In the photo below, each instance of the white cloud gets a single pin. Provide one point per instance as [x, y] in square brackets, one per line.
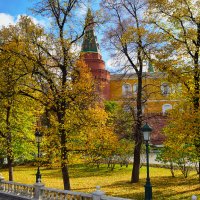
[117, 64]
[6, 19]
[41, 22]
[110, 65]
[120, 64]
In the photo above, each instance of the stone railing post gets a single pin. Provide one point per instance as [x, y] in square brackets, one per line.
[1, 178]
[96, 195]
[1, 184]
[194, 197]
[37, 192]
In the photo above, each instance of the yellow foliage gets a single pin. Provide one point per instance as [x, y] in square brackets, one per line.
[183, 126]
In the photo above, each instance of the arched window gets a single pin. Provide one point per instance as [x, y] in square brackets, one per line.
[166, 107]
[126, 89]
[135, 88]
[165, 89]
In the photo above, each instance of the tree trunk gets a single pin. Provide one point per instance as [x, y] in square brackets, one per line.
[10, 168]
[136, 164]
[196, 96]
[64, 166]
[137, 135]
[10, 157]
[65, 176]
[9, 145]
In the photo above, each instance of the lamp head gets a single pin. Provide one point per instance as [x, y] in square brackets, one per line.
[146, 130]
[38, 136]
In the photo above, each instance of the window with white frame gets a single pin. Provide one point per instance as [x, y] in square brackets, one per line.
[166, 107]
[126, 89]
[165, 89]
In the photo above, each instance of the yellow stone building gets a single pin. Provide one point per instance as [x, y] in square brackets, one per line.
[158, 98]
[157, 92]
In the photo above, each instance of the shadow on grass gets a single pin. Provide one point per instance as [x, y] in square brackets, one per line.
[176, 188]
[164, 187]
[137, 192]
[161, 188]
[83, 171]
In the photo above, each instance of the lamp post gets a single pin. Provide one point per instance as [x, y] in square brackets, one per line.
[146, 130]
[38, 139]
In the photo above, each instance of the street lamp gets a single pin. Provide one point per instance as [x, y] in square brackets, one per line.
[38, 139]
[146, 130]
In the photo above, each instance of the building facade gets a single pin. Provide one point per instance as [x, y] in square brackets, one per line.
[156, 91]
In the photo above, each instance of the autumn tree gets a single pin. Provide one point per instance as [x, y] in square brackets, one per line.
[61, 84]
[15, 119]
[131, 40]
[88, 136]
[121, 118]
[178, 23]
[182, 127]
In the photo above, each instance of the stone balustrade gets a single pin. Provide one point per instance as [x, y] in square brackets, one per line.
[54, 194]
[38, 191]
[17, 189]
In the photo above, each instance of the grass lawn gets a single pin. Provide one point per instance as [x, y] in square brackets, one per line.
[115, 183]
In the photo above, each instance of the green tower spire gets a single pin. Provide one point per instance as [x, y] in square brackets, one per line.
[89, 40]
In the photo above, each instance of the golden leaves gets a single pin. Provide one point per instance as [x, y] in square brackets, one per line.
[133, 34]
[183, 125]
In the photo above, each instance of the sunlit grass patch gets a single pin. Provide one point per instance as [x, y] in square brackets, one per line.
[116, 183]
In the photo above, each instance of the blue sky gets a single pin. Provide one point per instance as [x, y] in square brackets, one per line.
[15, 7]
[10, 10]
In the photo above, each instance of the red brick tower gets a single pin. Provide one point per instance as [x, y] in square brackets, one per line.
[92, 57]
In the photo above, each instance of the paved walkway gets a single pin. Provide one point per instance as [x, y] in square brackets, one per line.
[152, 158]
[11, 197]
